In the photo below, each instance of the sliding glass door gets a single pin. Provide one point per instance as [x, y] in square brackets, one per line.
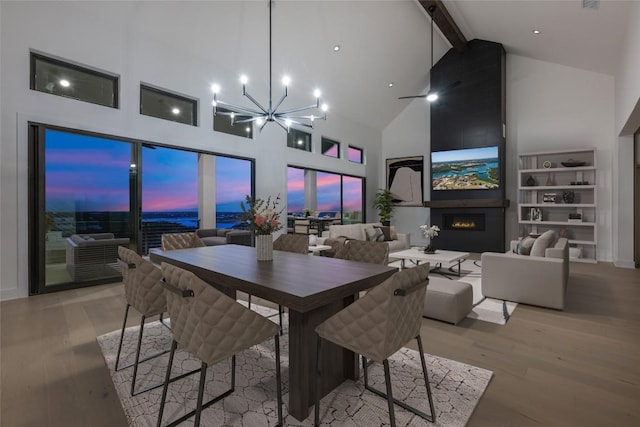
[84, 207]
[89, 194]
[169, 193]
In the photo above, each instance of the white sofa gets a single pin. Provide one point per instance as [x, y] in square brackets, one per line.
[359, 232]
[528, 279]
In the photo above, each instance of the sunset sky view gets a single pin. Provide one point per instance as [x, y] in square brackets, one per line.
[86, 173]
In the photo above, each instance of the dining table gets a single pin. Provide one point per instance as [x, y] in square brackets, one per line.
[313, 288]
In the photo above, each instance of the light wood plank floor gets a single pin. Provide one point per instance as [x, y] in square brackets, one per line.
[579, 367]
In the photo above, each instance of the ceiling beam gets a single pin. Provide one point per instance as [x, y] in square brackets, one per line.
[445, 22]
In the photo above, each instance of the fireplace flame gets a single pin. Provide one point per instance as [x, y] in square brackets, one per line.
[463, 224]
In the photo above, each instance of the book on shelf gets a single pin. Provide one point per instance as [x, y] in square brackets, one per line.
[575, 217]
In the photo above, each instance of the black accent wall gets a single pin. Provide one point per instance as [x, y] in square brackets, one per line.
[470, 113]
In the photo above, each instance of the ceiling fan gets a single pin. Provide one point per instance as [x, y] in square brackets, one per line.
[432, 95]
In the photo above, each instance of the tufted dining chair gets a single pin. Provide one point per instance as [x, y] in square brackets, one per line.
[143, 291]
[364, 251]
[212, 327]
[172, 241]
[296, 243]
[376, 326]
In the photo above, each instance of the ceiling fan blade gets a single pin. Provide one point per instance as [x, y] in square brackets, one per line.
[414, 96]
[445, 90]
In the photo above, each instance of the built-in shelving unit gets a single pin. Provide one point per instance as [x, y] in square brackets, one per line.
[560, 197]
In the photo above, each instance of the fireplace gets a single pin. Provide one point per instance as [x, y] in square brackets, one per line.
[477, 229]
[463, 221]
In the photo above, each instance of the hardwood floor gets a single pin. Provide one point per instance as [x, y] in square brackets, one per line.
[578, 367]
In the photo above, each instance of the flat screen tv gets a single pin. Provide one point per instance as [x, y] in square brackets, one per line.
[466, 169]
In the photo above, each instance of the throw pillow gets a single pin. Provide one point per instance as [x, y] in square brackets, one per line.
[394, 233]
[546, 240]
[374, 234]
[385, 230]
[524, 246]
[313, 240]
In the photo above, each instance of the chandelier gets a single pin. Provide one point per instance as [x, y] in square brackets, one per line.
[271, 113]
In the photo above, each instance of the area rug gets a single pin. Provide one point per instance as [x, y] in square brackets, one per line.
[485, 309]
[456, 387]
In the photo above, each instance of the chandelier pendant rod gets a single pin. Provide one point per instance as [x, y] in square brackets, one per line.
[270, 114]
[270, 64]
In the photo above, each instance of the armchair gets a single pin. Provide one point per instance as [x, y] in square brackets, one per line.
[528, 279]
[93, 256]
[224, 236]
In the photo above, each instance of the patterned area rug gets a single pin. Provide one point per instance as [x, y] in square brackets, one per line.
[485, 309]
[456, 387]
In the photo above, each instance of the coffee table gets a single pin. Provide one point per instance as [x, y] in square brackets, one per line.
[437, 258]
[319, 248]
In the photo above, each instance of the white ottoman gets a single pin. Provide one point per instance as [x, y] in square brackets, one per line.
[448, 300]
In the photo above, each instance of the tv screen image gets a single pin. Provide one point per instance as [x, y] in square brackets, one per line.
[466, 169]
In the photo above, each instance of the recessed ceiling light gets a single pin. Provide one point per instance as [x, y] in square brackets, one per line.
[536, 31]
[65, 83]
[391, 84]
[336, 48]
[175, 110]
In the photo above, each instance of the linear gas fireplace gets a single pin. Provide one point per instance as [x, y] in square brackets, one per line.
[463, 221]
[468, 229]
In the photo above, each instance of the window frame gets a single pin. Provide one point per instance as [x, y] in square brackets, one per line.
[240, 134]
[34, 56]
[324, 140]
[350, 147]
[170, 94]
[291, 140]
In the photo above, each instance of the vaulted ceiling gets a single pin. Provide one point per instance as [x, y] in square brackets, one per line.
[381, 42]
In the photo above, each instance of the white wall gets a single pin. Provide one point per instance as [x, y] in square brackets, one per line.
[549, 107]
[627, 89]
[72, 31]
[409, 135]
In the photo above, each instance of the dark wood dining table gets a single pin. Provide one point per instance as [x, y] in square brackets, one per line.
[313, 288]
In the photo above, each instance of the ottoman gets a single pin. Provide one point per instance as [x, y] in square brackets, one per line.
[448, 300]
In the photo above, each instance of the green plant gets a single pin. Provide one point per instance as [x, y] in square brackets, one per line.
[383, 202]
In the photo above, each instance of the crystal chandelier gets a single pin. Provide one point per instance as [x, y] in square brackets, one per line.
[262, 115]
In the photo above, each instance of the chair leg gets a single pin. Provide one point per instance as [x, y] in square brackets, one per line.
[161, 319]
[174, 345]
[280, 316]
[278, 380]
[203, 374]
[249, 299]
[124, 325]
[137, 361]
[233, 372]
[387, 380]
[426, 380]
[389, 396]
[316, 417]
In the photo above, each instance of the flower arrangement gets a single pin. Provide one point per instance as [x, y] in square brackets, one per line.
[431, 233]
[262, 215]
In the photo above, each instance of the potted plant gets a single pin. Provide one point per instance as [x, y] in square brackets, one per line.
[383, 202]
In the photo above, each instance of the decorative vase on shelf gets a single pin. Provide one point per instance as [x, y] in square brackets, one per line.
[264, 247]
[531, 181]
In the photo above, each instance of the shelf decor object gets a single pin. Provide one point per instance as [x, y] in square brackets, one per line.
[572, 175]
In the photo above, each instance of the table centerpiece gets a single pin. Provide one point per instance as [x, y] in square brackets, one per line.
[263, 218]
